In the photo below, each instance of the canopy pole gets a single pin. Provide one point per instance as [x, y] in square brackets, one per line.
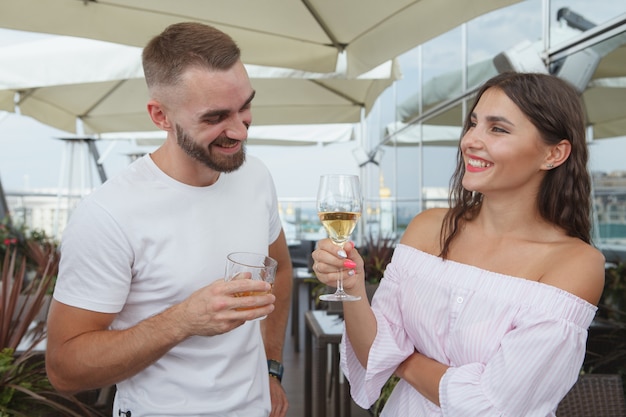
[365, 181]
[420, 64]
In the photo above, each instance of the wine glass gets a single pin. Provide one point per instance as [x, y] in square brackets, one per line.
[339, 205]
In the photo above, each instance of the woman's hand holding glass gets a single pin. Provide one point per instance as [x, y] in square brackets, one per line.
[330, 260]
[339, 204]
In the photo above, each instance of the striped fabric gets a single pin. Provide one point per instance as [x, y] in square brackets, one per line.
[514, 346]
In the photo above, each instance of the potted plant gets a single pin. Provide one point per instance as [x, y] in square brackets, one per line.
[377, 252]
[28, 274]
[385, 392]
[613, 302]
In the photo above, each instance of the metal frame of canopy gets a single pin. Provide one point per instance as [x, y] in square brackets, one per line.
[608, 78]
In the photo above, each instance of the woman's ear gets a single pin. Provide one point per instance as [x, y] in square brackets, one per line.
[558, 154]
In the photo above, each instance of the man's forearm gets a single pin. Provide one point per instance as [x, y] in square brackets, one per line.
[104, 357]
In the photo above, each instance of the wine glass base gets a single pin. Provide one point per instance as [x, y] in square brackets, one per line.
[339, 297]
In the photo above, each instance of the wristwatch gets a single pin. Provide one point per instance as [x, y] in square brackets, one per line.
[275, 369]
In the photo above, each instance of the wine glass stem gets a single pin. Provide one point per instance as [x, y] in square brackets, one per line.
[340, 283]
[340, 272]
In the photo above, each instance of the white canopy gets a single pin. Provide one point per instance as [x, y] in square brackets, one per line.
[308, 35]
[62, 79]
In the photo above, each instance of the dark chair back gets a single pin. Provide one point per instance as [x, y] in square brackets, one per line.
[301, 254]
[594, 395]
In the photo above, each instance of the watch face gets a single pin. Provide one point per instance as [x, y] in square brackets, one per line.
[275, 368]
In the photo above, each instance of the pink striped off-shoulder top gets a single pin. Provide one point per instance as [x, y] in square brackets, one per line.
[514, 347]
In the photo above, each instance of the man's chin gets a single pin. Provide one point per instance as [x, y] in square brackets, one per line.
[228, 165]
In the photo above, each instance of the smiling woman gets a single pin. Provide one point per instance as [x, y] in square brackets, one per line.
[491, 264]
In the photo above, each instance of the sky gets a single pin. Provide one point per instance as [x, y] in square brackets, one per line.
[31, 155]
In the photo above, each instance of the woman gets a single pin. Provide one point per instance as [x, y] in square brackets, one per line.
[485, 307]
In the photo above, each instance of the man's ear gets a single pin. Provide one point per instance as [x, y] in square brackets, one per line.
[558, 154]
[158, 115]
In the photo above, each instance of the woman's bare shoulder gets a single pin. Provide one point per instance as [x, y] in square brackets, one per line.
[423, 232]
[577, 268]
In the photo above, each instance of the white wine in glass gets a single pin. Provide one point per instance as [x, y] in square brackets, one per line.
[339, 205]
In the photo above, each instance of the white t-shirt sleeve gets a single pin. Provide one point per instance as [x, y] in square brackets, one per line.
[95, 269]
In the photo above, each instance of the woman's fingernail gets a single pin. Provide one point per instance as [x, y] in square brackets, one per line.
[342, 253]
[351, 272]
[349, 263]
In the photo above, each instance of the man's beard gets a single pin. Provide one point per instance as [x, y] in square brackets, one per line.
[219, 162]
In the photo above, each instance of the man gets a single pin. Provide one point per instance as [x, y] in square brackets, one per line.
[140, 299]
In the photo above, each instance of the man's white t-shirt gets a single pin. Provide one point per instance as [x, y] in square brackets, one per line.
[143, 242]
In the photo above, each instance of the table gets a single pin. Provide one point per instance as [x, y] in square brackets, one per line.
[324, 331]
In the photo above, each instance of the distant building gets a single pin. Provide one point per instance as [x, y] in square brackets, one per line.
[610, 207]
[43, 210]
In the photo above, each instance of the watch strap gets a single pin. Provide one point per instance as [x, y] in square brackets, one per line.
[275, 369]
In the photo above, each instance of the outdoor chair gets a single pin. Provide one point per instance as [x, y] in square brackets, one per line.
[594, 395]
[302, 264]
